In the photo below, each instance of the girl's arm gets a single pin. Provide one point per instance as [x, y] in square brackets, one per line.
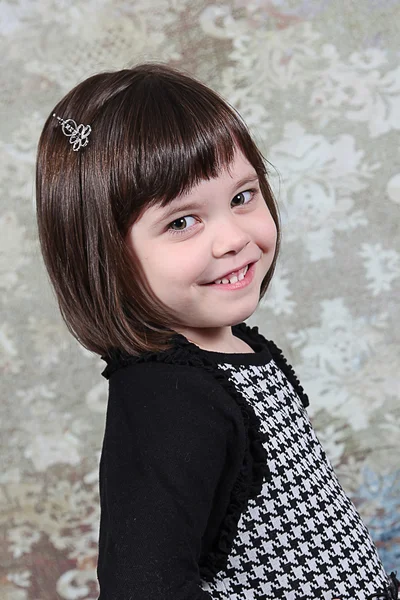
[165, 448]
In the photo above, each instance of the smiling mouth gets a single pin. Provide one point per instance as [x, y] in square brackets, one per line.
[227, 281]
[237, 276]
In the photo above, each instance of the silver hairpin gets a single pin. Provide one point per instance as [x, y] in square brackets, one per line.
[78, 134]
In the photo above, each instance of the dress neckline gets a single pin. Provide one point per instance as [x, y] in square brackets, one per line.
[260, 355]
[183, 351]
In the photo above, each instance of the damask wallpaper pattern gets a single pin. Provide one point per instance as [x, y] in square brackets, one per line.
[318, 81]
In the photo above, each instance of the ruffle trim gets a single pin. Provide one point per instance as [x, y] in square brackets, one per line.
[287, 369]
[254, 470]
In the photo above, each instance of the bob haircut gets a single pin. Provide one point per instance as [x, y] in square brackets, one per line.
[156, 133]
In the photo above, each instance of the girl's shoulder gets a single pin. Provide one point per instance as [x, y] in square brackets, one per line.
[203, 365]
[184, 352]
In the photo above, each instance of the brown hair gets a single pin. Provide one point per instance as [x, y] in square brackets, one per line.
[156, 133]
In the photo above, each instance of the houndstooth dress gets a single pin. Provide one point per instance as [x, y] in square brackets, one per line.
[301, 538]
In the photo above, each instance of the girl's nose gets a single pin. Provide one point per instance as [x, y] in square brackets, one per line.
[230, 237]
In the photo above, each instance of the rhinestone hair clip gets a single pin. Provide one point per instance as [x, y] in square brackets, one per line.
[78, 134]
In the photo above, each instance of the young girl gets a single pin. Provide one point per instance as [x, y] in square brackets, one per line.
[160, 235]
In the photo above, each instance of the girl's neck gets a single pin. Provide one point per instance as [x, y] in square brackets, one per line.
[237, 347]
[233, 345]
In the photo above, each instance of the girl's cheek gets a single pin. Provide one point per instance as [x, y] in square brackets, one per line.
[267, 228]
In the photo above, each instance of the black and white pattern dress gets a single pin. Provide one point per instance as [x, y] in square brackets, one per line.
[301, 538]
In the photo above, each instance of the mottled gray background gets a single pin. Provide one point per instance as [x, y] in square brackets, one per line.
[318, 81]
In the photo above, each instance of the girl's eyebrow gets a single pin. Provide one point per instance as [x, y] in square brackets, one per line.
[174, 207]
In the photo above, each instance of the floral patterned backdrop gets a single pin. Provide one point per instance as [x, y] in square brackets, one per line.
[318, 81]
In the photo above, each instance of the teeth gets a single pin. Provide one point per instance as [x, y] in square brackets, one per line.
[239, 275]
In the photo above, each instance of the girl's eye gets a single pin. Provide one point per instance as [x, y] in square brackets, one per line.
[242, 196]
[180, 220]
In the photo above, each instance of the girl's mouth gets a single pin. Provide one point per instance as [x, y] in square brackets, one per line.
[239, 283]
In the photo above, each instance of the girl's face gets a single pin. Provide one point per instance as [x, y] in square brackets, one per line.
[220, 226]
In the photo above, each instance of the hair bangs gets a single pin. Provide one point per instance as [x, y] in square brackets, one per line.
[177, 136]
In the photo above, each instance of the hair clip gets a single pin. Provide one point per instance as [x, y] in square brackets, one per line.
[78, 134]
